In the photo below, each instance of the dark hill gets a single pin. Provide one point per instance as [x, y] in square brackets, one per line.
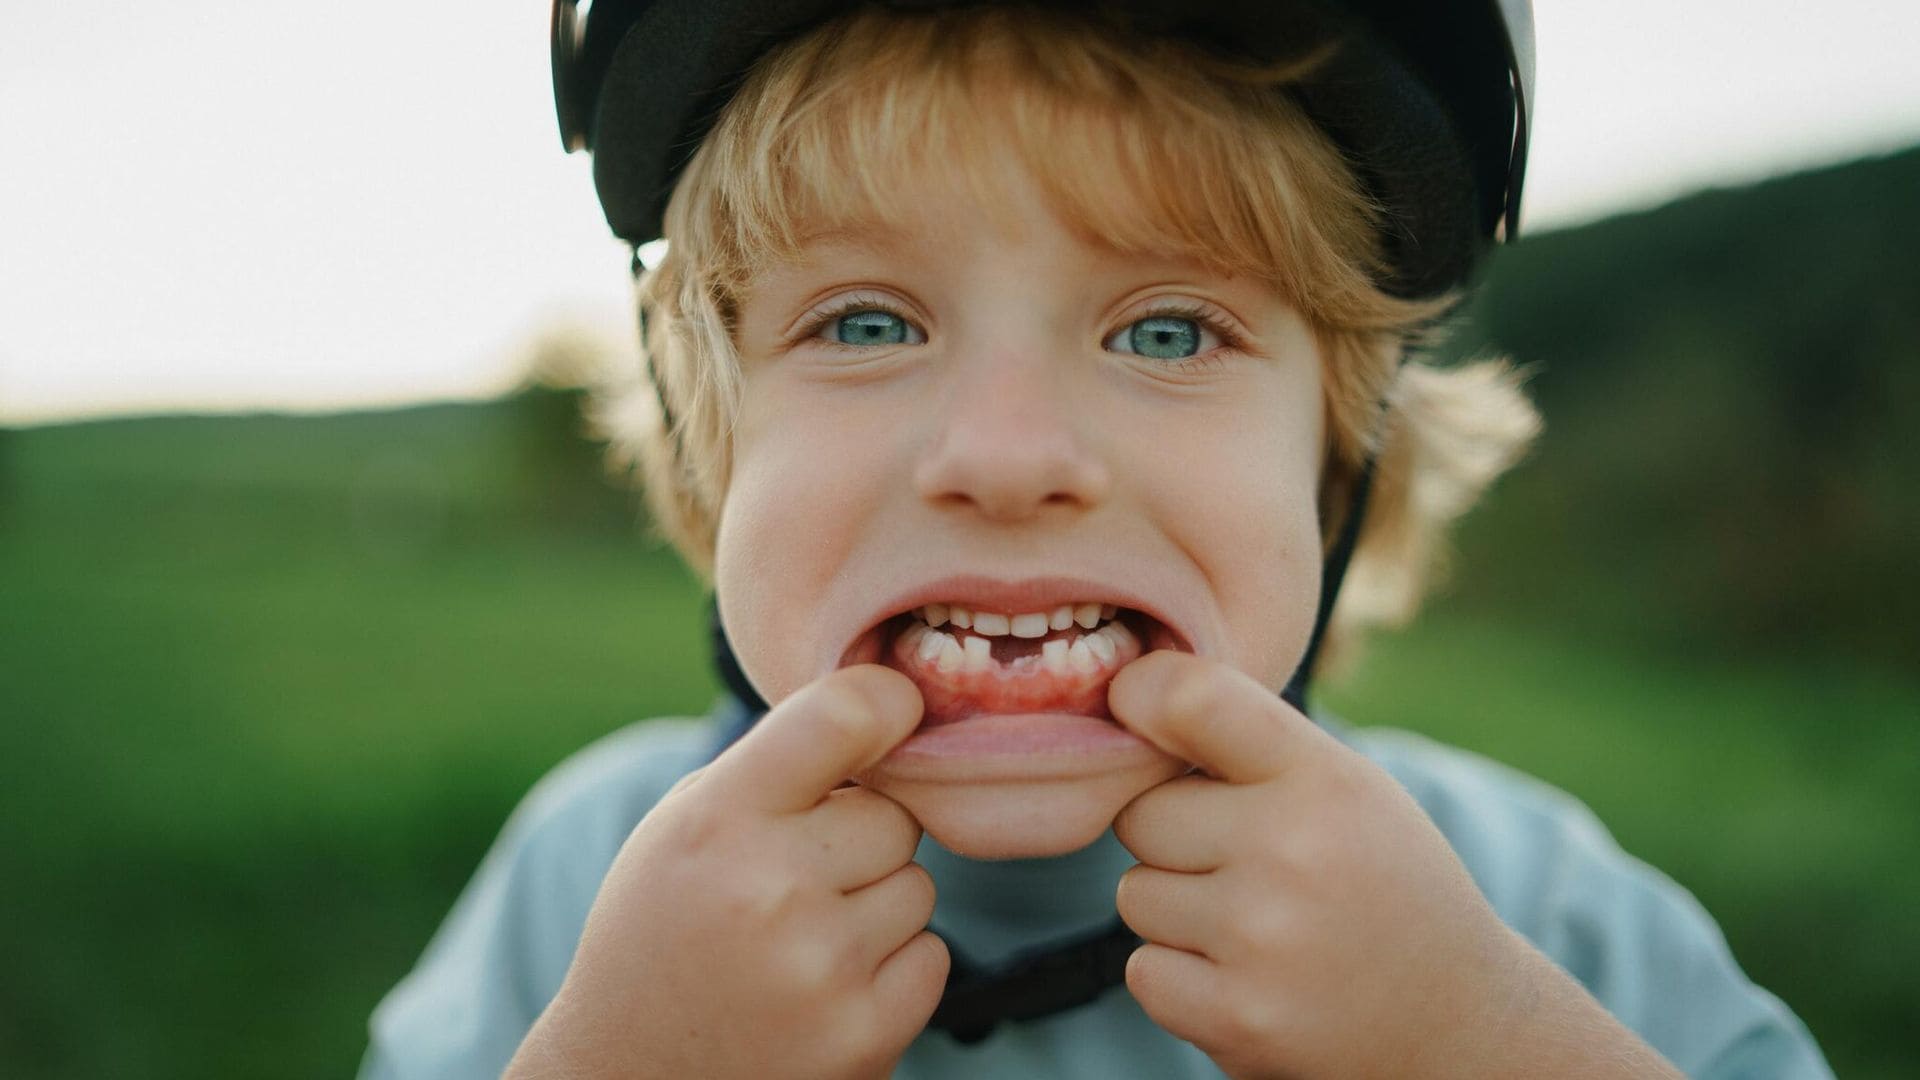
[1730, 382]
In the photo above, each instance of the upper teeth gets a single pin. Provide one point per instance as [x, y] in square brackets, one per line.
[1085, 652]
[1027, 624]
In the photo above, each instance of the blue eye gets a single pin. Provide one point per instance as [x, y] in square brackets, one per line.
[1165, 337]
[870, 328]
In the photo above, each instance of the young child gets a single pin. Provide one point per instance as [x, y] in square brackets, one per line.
[1018, 377]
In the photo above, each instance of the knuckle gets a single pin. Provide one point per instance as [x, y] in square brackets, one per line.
[1346, 781]
[876, 819]
[1143, 974]
[1128, 898]
[1126, 824]
[810, 963]
[896, 819]
[1249, 1020]
[695, 827]
[1313, 853]
[939, 959]
[930, 962]
[920, 889]
[759, 900]
[1261, 929]
[807, 963]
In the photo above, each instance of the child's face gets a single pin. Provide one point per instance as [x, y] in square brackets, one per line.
[985, 420]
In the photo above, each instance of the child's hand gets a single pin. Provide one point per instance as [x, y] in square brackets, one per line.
[761, 920]
[1303, 917]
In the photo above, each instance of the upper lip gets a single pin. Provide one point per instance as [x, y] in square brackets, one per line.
[1012, 597]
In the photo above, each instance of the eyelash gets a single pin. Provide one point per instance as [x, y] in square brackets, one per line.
[1206, 315]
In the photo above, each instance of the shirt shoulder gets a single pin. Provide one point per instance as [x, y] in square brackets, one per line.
[502, 951]
[612, 782]
[1638, 941]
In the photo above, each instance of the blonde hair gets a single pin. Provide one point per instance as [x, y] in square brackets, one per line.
[1146, 143]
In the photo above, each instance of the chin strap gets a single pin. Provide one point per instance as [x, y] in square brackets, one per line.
[1332, 573]
[1035, 983]
[1051, 978]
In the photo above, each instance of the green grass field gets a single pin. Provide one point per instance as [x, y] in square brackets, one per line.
[270, 686]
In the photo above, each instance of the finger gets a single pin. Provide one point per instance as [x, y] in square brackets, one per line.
[860, 836]
[1189, 823]
[824, 733]
[1171, 909]
[908, 985]
[889, 912]
[1212, 715]
[1180, 990]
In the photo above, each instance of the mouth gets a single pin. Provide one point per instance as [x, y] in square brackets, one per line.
[970, 662]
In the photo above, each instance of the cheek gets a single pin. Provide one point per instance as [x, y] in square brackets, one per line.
[797, 500]
[1254, 525]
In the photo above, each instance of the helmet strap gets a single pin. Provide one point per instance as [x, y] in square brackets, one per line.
[1333, 571]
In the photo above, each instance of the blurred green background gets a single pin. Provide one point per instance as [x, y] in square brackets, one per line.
[270, 684]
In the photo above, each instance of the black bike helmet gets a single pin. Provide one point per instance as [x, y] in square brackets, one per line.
[1428, 98]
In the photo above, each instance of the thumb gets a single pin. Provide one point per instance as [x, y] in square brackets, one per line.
[1212, 715]
[824, 733]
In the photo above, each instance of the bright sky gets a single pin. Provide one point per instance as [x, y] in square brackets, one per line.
[312, 206]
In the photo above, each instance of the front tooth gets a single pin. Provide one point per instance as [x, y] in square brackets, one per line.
[1030, 625]
[991, 623]
[1061, 618]
[1102, 646]
[932, 644]
[979, 654]
[935, 614]
[1080, 657]
[951, 658]
[1087, 615]
[962, 617]
[1053, 655]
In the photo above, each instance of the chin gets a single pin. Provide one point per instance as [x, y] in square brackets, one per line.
[1020, 819]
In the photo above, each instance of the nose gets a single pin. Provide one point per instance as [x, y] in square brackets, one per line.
[1012, 440]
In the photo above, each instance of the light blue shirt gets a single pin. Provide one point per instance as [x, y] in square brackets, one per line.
[1638, 942]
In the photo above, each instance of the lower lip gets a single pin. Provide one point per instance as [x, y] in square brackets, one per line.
[1017, 746]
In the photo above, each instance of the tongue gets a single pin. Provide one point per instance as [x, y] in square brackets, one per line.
[1005, 686]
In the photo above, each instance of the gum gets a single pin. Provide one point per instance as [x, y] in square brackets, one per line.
[1007, 688]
